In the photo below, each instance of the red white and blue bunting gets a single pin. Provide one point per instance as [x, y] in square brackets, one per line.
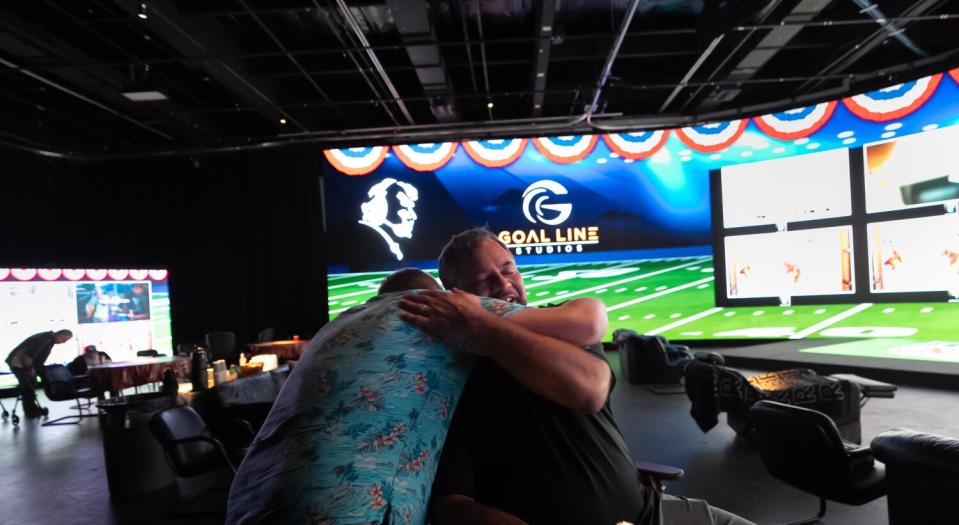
[23, 274]
[893, 102]
[878, 106]
[796, 123]
[567, 149]
[49, 274]
[638, 145]
[76, 274]
[709, 138]
[495, 153]
[425, 157]
[356, 161]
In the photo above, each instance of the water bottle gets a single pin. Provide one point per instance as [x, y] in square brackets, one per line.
[198, 366]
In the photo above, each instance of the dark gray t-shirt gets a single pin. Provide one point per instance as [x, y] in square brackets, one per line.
[516, 451]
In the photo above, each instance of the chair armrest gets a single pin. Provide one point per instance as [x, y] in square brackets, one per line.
[869, 387]
[212, 441]
[653, 474]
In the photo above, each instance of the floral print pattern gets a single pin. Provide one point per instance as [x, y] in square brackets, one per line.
[358, 427]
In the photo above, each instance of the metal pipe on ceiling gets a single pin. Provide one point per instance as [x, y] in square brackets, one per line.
[363, 70]
[90, 101]
[479, 28]
[898, 33]
[358, 33]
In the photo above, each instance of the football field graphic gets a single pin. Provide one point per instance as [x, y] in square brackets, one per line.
[674, 297]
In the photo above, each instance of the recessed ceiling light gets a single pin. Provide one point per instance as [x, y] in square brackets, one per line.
[142, 13]
[489, 105]
[144, 95]
[283, 121]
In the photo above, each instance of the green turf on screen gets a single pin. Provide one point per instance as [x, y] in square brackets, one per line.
[675, 298]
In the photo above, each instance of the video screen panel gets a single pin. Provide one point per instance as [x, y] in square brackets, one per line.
[800, 188]
[119, 311]
[915, 255]
[787, 264]
[912, 171]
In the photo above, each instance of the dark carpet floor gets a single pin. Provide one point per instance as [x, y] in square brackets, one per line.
[56, 475]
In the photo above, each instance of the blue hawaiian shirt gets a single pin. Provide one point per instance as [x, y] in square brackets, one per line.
[358, 428]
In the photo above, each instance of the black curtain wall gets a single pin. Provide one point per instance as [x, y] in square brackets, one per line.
[241, 232]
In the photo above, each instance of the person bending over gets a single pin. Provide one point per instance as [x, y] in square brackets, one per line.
[356, 432]
[533, 439]
[27, 359]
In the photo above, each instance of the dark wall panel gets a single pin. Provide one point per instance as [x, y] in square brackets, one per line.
[241, 233]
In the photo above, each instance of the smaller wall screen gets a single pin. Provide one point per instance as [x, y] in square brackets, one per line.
[119, 311]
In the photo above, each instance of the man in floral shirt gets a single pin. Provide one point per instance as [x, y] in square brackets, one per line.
[356, 432]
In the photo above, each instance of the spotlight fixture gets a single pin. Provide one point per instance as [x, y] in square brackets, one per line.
[142, 12]
[283, 121]
[489, 104]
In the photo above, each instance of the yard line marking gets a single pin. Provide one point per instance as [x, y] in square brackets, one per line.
[687, 320]
[355, 283]
[657, 294]
[351, 294]
[575, 275]
[831, 321]
[626, 280]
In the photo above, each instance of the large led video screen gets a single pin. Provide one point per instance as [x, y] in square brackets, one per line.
[630, 217]
[119, 311]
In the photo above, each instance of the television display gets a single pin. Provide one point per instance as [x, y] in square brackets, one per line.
[913, 171]
[789, 264]
[119, 311]
[915, 255]
[777, 191]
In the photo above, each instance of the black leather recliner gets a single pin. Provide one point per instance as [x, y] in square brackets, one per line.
[715, 388]
[650, 359]
[922, 473]
[803, 448]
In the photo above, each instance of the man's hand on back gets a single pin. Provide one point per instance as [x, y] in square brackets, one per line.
[451, 317]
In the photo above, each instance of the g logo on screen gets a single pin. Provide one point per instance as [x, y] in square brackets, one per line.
[377, 212]
[536, 195]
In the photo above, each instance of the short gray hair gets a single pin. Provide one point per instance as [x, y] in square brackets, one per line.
[458, 253]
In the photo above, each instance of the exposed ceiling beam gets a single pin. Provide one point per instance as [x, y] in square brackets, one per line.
[353, 26]
[192, 37]
[544, 30]
[416, 32]
[865, 46]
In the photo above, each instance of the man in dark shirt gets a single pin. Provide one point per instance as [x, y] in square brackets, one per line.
[549, 452]
[27, 359]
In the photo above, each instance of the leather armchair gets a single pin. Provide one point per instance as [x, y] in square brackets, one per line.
[715, 388]
[650, 359]
[802, 447]
[922, 472]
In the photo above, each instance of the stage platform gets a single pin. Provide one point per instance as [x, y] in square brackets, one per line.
[887, 360]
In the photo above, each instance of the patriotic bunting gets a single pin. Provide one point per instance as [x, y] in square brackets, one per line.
[96, 275]
[894, 101]
[567, 149]
[24, 274]
[890, 103]
[425, 157]
[158, 275]
[796, 123]
[356, 161]
[638, 145]
[49, 274]
[495, 153]
[708, 138]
